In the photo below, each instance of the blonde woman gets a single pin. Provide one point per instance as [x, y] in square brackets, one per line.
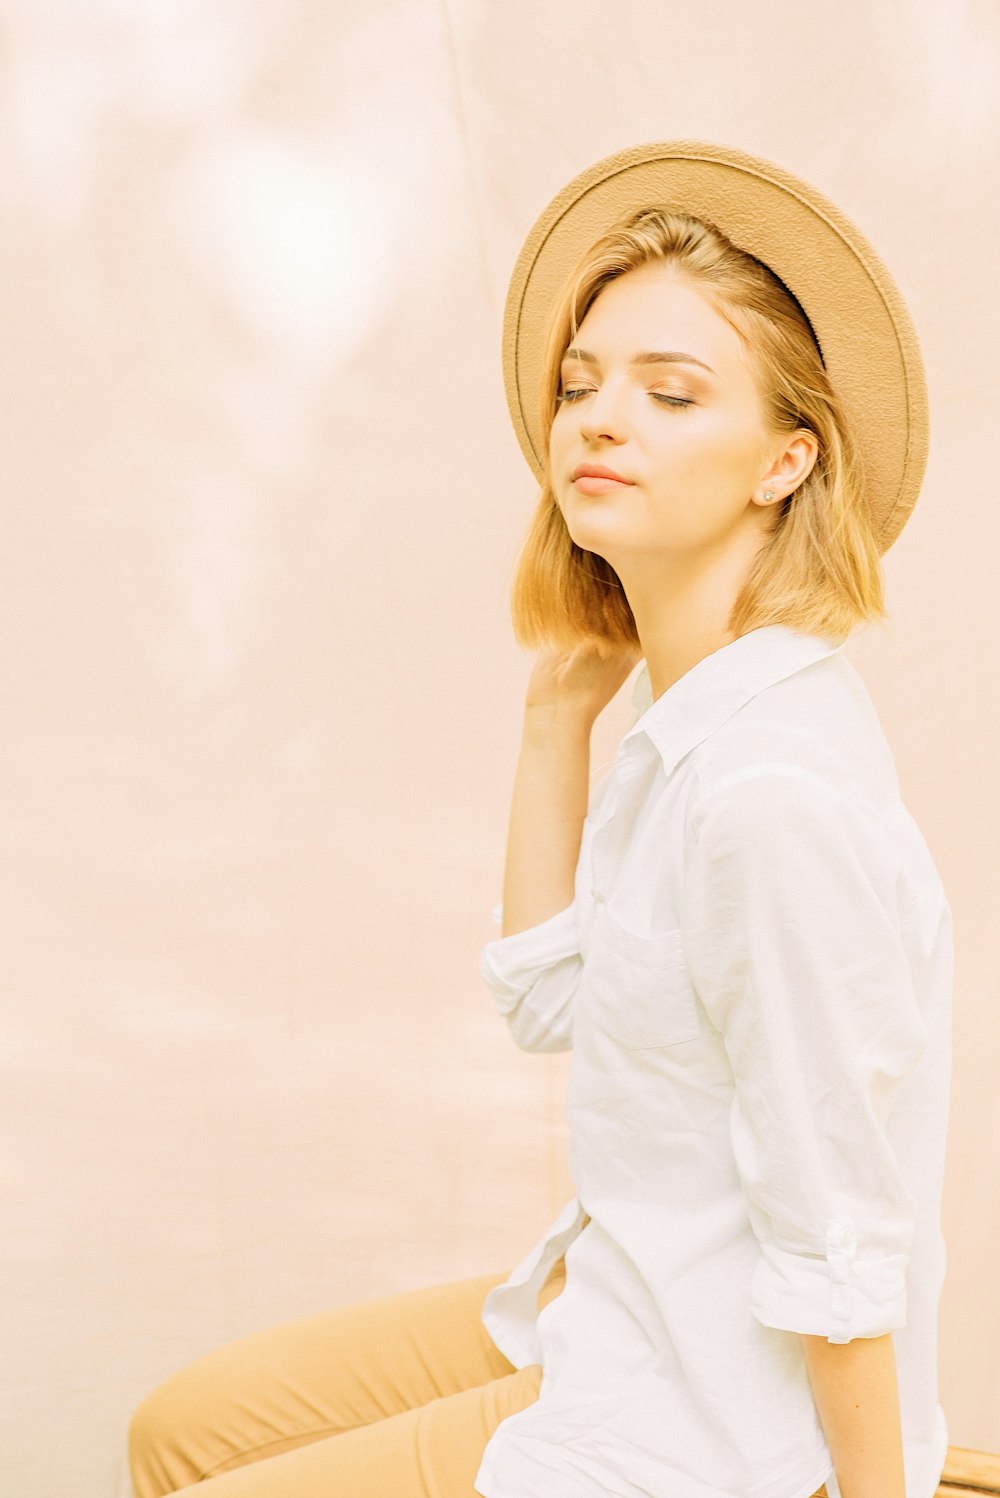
[744, 940]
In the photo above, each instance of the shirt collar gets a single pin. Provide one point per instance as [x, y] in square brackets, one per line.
[717, 686]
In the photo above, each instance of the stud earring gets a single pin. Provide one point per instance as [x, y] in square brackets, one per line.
[768, 493]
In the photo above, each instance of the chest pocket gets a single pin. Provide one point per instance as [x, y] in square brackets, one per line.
[639, 990]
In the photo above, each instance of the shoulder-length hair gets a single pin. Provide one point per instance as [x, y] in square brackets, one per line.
[819, 569]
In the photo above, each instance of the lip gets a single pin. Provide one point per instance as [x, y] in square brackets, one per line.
[597, 471]
[587, 483]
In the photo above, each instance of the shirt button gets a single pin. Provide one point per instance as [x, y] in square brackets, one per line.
[841, 1237]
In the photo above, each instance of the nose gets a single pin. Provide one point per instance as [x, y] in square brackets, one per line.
[601, 413]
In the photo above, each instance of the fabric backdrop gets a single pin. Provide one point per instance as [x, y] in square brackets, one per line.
[262, 503]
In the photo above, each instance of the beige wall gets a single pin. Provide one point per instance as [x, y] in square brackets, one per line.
[261, 506]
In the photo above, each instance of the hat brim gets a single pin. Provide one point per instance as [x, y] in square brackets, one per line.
[861, 322]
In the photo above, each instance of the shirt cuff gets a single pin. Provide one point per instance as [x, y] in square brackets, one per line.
[839, 1296]
[511, 964]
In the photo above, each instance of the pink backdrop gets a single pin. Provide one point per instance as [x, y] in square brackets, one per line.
[261, 703]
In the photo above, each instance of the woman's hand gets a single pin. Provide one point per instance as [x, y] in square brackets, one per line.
[579, 682]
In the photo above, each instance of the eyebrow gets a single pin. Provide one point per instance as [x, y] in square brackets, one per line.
[649, 356]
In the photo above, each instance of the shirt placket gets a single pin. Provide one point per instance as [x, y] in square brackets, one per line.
[841, 1242]
[613, 832]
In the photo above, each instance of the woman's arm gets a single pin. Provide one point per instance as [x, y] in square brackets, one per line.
[548, 807]
[857, 1398]
[566, 691]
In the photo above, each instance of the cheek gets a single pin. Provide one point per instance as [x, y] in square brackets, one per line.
[701, 491]
[556, 439]
[713, 461]
[558, 446]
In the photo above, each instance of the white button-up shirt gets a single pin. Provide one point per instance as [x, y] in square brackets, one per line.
[755, 980]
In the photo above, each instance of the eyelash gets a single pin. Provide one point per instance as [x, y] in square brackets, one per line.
[569, 396]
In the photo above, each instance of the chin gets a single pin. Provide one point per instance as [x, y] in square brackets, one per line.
[595, 546]
[597, 524]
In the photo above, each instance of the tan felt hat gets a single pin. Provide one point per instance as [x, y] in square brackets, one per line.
[862, 325]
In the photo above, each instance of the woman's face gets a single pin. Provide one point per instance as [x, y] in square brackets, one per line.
[687, 432]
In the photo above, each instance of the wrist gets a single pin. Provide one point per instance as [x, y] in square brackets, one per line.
[558, 724]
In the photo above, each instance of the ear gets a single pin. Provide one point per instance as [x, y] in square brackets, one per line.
[788, 469]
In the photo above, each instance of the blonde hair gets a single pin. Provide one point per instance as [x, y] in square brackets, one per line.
[819, 570]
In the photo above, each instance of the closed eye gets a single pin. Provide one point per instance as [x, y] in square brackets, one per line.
[670, 400]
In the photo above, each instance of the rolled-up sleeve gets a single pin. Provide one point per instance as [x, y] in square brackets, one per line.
[533, 976]
[792, 934]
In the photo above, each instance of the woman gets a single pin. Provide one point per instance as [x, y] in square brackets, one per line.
[745, 942]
